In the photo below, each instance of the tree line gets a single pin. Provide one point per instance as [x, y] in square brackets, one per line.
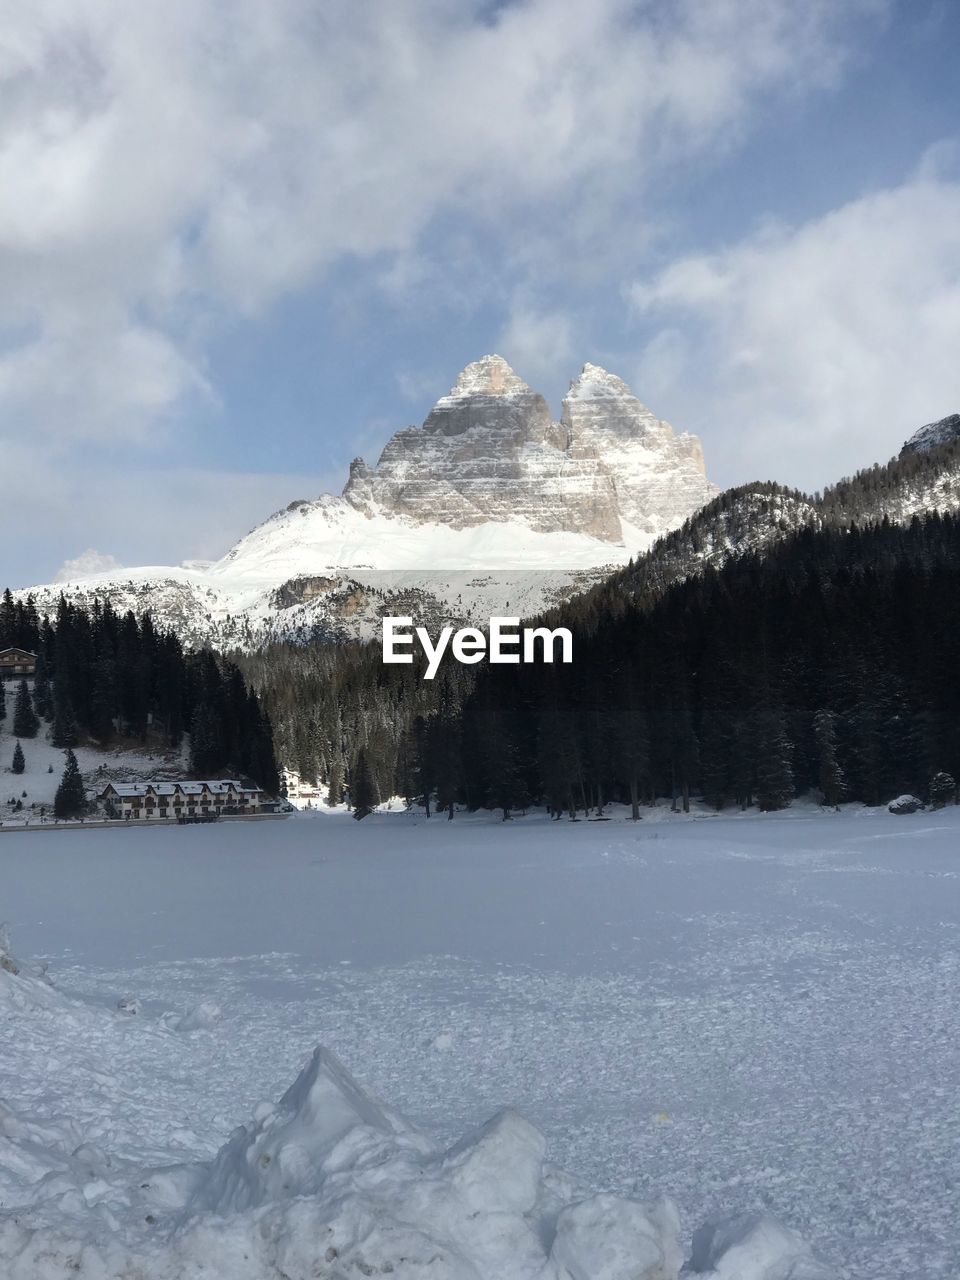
[106, 678]
[828, 662]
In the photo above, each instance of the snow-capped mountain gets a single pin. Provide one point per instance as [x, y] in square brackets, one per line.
[489, 451]
[489, 507]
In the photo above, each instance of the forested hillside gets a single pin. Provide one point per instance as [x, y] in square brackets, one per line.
[828, 662]
[754, 516]
[105, 678]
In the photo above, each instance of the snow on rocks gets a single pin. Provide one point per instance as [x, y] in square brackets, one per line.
[944, 431]
[906, 804]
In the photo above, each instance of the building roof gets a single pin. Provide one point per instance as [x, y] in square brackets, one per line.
[23, 653]
[216, 787]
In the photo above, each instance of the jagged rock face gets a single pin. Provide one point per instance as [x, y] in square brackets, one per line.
[933, 434]
[656, 477]
[489, 451]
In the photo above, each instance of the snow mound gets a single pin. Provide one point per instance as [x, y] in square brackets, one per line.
[330, 1183]
[202, 1017]
[324, 1125]
[20, 990]
[753, 1246]
[606, 1238]
[384, 1197]
[340, 1183]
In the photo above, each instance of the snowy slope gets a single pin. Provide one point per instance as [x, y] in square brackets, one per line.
[36, 787]
[324, 565]
[944, 431]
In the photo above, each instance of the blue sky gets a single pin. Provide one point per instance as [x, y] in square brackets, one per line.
[236, 256]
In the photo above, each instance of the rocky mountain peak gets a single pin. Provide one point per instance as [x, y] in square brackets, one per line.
[595, 383]
[490, 452]
[488, 376]
[945, 431]
[600, 406]
[487, 397]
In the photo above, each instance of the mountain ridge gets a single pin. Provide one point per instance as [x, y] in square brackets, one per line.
[491, 506]
[748, 519]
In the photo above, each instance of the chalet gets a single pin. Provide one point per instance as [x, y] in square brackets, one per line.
[301, 794]
[17, 662]
[204, 799]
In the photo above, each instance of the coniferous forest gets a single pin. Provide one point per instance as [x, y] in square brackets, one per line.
[106, 678]
[830, 663]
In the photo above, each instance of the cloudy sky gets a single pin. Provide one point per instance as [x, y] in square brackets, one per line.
[240, 244]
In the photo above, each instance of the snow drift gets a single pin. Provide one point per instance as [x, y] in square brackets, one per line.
[330, 1183]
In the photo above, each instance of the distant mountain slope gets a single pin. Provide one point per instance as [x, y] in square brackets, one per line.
[946, 431]
[754, 516]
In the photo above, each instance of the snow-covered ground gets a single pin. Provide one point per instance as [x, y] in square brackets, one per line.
[358, 566]
[37, 785]
[753, 1015]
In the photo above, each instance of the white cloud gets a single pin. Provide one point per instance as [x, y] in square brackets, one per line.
[97, 378]
[160, 163]
[537, 342]
[810, 351]
[85, 564]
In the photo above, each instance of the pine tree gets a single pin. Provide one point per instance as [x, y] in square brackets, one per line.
[65, 732]
[26, 722]
[102, 703]
[942, 788]
[718, 756]
[205, 757]
[42, 696]
[633, 741]
[8, 620]
[775, 787]
[19, 764]
[363, 793]
[335, 782]
[445, 745]
[558, 758]
[832, 782]
[70, 800]
[424, 776]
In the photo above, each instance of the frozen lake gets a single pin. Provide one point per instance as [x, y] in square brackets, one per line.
[742, 1012]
